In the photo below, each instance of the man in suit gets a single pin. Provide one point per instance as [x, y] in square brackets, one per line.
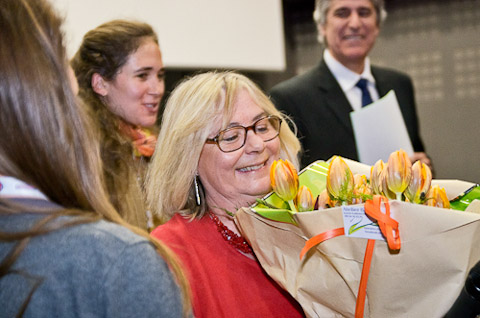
[319, 101]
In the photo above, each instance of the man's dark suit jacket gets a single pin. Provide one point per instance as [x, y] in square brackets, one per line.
[320, 109]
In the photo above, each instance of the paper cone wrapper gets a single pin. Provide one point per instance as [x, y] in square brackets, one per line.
[422, 279]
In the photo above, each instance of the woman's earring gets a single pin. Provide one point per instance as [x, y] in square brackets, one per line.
[197, 190]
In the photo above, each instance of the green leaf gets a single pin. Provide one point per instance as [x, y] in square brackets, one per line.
[285, 216]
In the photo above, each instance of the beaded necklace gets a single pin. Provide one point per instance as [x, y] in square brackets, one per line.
[231, 237]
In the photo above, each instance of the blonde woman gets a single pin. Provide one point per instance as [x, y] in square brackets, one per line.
[218, 139]
[64, 250]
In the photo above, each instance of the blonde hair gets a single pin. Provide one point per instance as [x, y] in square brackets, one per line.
[48, 140]
[188, 118]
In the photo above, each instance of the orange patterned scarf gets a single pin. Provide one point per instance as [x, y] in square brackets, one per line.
[143, 140]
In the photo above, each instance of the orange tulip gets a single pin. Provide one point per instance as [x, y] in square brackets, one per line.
[376, 177]
[361, 189]
[437, 197]
[340, 181]
[323, 201]
[399, 172]
[359, 180]
[284, 180]
[419, 183]
[304, 200]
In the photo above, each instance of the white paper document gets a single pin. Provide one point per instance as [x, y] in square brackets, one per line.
[379, 130]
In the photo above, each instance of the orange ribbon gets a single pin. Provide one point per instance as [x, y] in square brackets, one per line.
[317, 239]
[388, 227]
[362, 288]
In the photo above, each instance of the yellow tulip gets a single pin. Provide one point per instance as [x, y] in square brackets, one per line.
[437, 197]
[384, 189]
[419, 183]
[284, 180]
[376, 177]
[340, 181]
[399, 171]
[304, 200]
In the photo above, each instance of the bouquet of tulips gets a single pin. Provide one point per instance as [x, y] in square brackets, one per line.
[397, 179]
[421, 277]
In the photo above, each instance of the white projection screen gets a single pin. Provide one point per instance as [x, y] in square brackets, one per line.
[231, 34]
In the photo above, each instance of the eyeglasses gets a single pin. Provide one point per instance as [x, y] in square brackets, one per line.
[234, 138]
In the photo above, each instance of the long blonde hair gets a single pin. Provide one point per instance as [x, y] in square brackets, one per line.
[46, 138]
[187, 120]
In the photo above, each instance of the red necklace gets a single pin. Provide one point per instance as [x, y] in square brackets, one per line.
[231, 237]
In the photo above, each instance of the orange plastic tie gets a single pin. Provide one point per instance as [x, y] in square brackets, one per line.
[362, 288]
[388, 226]
[317, 239]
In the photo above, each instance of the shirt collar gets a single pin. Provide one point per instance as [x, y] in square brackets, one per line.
[346, 78]
[14, 188]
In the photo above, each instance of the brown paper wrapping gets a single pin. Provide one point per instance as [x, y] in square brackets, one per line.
[423, 279]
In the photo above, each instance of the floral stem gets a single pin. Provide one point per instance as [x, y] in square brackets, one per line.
[292, 206]
[399, 196]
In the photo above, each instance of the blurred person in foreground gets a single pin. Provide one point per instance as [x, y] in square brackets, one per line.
[120, 72]
[64, 250]
[219, 136]
[320, 101]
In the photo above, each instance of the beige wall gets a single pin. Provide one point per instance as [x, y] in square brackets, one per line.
[192, 33]
[438, 44]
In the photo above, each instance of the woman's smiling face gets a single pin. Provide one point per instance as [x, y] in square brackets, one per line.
[135, 93]
[237, 178]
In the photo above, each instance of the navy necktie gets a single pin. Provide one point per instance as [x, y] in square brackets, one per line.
[366, 98]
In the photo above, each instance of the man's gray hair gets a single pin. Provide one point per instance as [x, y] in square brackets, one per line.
[321, 10]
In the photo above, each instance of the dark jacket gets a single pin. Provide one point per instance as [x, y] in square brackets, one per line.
[320, 109]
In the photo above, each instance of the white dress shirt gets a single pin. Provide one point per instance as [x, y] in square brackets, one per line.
[348, 79]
